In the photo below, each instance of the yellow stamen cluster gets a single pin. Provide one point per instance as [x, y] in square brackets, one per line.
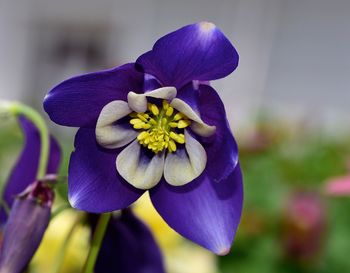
[160, 127]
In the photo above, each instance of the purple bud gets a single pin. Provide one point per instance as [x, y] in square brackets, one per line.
[27, 222]
[304, 226]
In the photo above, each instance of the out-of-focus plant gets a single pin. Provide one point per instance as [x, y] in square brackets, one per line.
[289, 159]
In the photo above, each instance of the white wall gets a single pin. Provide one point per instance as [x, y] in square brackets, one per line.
[293, 54]
[310, 62]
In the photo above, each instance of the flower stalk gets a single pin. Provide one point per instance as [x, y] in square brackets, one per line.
[96, 242]
[17, 109]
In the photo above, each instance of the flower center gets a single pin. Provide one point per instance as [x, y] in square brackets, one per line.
[160, 128]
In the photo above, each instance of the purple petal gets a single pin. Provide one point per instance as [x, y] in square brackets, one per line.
[221, 148]
[129, 247]
[203, 211]
[195, 52]
[93, 181]
[189, 94]
[22, 234]
[25, 170]
[78, 101]
[55, 157]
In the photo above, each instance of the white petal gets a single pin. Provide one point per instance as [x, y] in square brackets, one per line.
[109, 134]
[186, 164]
[137, 168]
[138, 102]
[198, 125]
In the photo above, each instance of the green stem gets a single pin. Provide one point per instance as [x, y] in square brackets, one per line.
[21, 109]
[62, 251]
[59, 210]
[96, 242]
[5, 206]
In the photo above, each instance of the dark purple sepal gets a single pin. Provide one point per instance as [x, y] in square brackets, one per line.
[25, 170]
[129, 247]
[203, 211]
[221, 148]
[189, 94]
[54, 157]
[195, 52]
[78, 101]
[94, 184]
[25, 228]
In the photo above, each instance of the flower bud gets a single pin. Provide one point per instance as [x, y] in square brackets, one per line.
[27, 222]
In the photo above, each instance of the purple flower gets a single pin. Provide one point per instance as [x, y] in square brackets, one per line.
[129, 247]
[24, 172]
[158, 125]
[26, 225]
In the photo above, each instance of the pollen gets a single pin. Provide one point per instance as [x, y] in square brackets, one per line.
[160, 128]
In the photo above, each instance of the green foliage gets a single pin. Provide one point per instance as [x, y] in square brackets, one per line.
[271, 173]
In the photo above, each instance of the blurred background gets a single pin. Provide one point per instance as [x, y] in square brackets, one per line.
[287, 103]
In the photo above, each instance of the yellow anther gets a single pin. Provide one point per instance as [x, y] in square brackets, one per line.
[154, 109]
[173, 124]
[178, 116]
[164, 121]
[138, 125]
[165, 105]
[142, 117]
[181, 138]
[135, 121]
[142, 135]
[169, 111]
[173, 135]
[152, 121]
[146, 126]
[172, 146]
[183, 123]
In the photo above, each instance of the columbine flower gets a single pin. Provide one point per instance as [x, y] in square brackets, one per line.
[158, 125]
[129, 247]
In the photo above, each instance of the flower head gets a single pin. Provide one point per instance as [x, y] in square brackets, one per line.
[158, 125]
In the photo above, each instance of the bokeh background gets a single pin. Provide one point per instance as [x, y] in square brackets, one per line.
[287, 103]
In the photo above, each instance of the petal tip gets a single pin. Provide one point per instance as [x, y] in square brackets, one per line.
[72, 201]
[223, 251]
[206, 26]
